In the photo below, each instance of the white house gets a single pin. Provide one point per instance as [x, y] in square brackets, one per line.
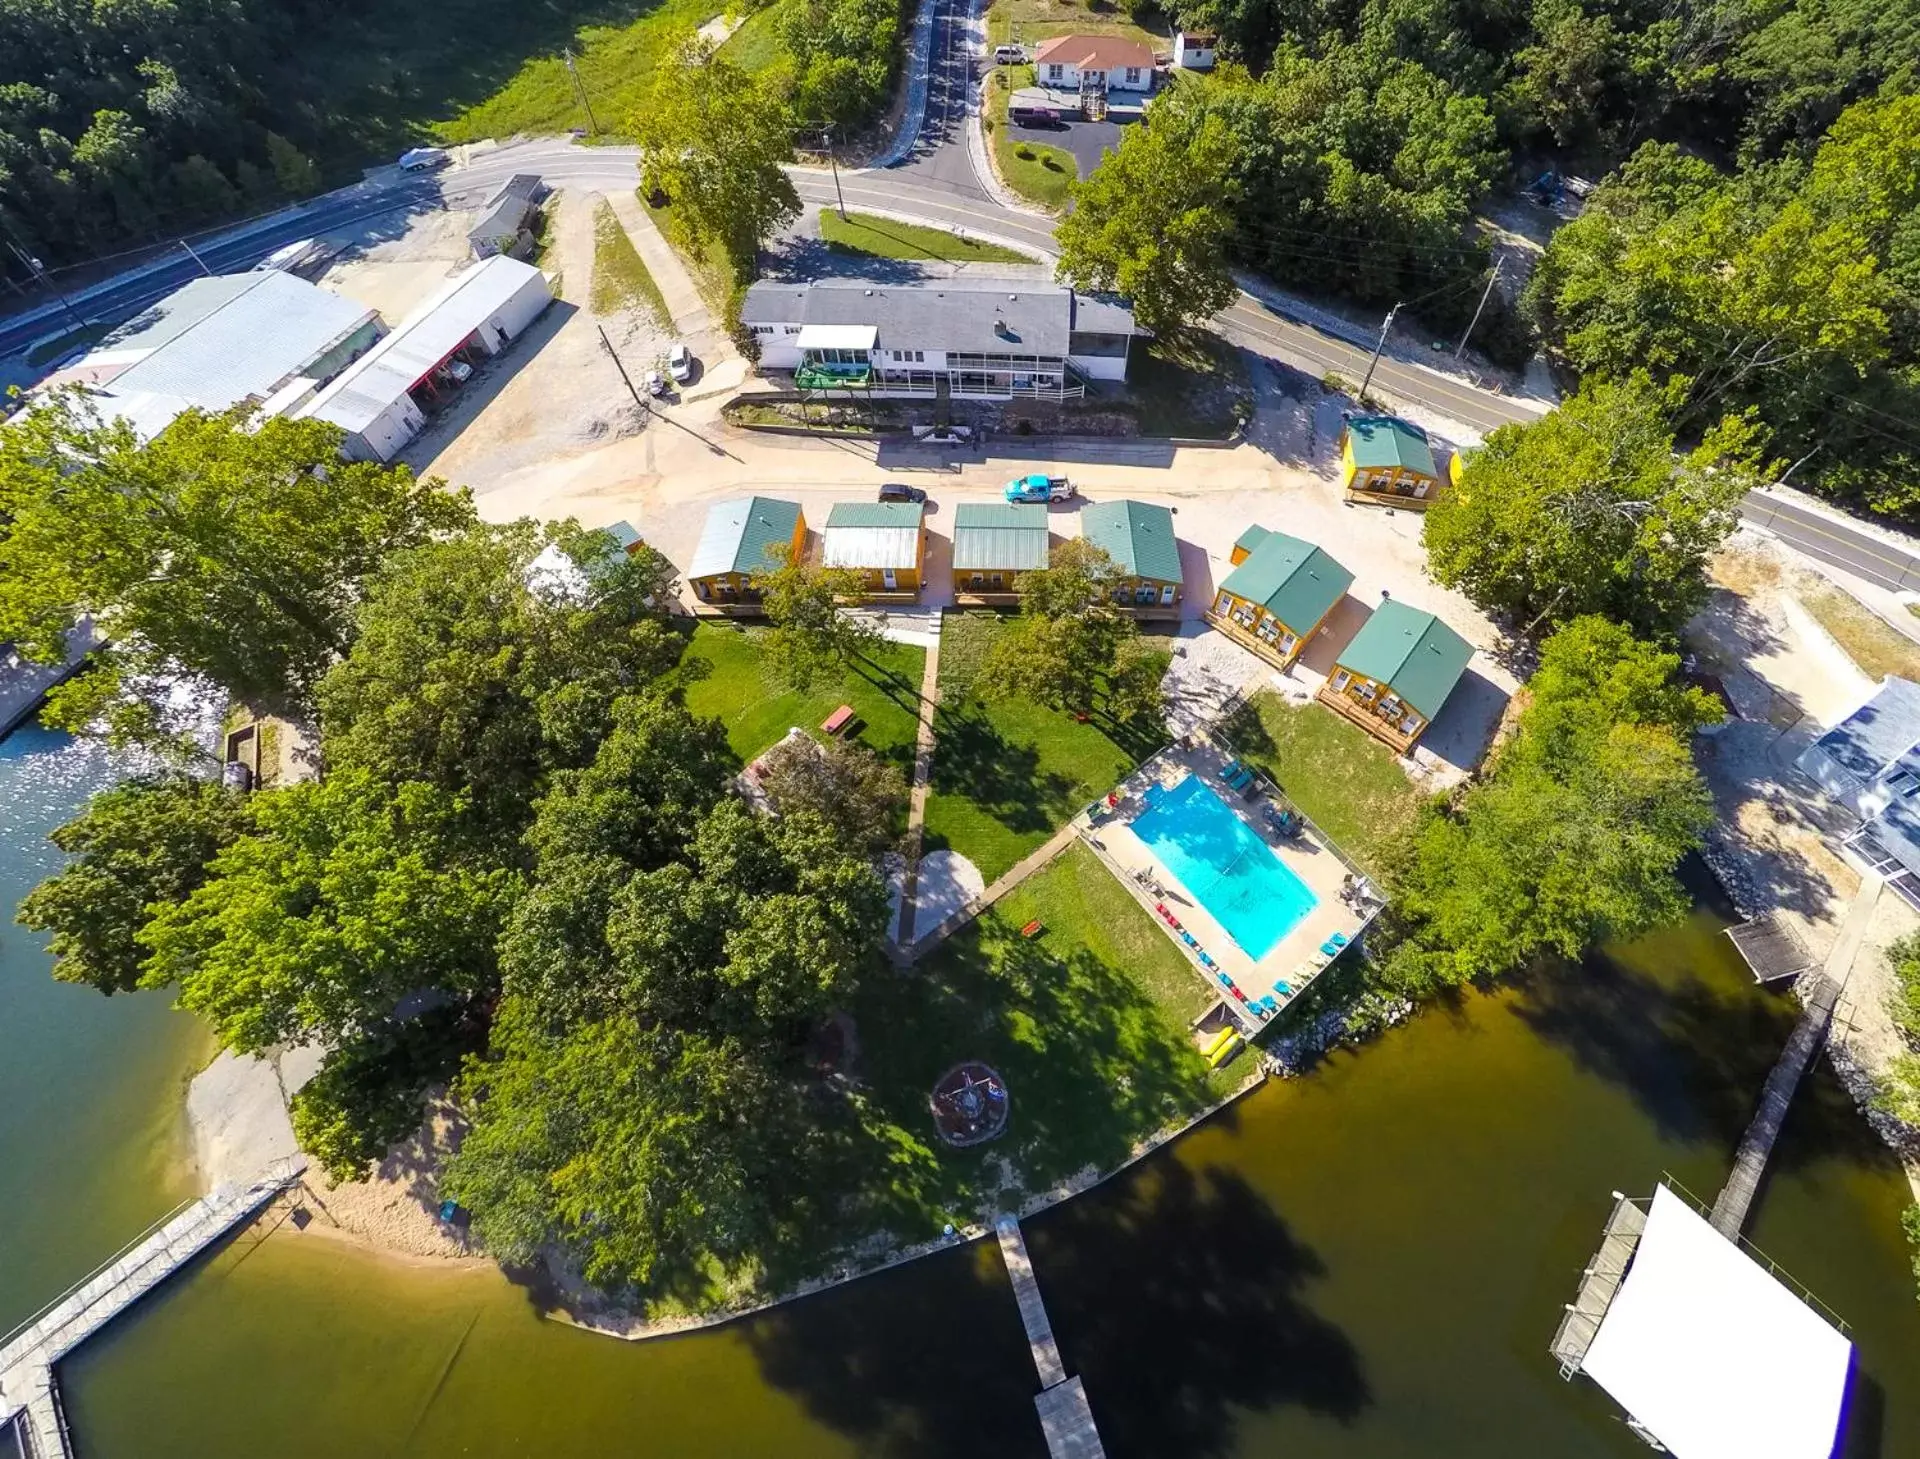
[1194, 50]
[1870, 763]
[1093, 63]
[993, 335]
[380, 400]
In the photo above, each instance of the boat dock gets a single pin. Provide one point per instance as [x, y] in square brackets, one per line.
[24, 684]
[1066, 1418]
[1598, 1284]
[29, 1396]
[1750, 1160]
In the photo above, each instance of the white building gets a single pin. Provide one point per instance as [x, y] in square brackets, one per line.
[1870, 763]
[985, 336]
[1104, 63]
[1194, 51]
[381, 401]
[218, 342]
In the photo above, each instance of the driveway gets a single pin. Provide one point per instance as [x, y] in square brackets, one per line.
[1087, 141]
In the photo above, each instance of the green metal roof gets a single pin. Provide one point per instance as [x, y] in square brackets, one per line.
[1293, 580]
[1251, 538]
[1137, 535]
[876, 514]
[1411, 652]
[999, 536]
[1386, 440]
[741, 534]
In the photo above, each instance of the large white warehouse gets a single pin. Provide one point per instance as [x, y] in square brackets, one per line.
[380, 400]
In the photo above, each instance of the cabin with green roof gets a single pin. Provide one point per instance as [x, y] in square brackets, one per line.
[1396, 673]
[1138, 536]
[744, 537]
[1387, 460]
[1280, 591]
[993, 543]
[885, 542]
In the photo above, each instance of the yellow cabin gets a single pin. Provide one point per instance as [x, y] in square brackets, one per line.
[1394, 675]
[886, 542]
[745, 536]
[1387, 460]
[1280, 591]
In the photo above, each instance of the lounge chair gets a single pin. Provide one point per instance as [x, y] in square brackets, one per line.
[1283, 988]
[1269, 1005]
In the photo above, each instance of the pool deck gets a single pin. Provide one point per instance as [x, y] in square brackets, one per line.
[1296, 957]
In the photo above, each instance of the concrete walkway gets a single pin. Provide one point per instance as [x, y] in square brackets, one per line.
[691, 317]
[922, 782]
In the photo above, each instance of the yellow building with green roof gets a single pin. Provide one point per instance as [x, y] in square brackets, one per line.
[1389, 461]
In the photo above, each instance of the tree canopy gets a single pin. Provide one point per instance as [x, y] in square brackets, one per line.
[1589, 510]
[812, 633]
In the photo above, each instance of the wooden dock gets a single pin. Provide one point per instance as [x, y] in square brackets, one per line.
[29, 1397]
[1750, 1160]
[1066, 1418]
[1598, 1284]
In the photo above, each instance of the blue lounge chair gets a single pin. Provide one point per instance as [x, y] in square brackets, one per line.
[1331, 947]
[1225, 981]
[1284, 989]
[1270, 1004]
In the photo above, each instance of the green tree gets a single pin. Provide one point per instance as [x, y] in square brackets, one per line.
[221, 549]
[370, 1094]
[714, 140]
[861, 796]
[348, 896]
[293, 171]
[1589, 510]
[1072, 646]
[1154, 222]
[141, 845]
[812, 634]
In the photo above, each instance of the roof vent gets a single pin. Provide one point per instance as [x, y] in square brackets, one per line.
[867, 292]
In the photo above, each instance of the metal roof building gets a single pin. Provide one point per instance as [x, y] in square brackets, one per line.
[999, 536]
[223, 340]
[984, 313]
[474, 314]
[1295, 581]
[1870, 763]
[1386, 440]
[872, 535]
[1411, 652]
[740, 536]
[1136, 535]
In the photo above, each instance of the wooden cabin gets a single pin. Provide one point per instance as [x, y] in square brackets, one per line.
[1280, 591]
[1396, 673]
[1389, 461]
[885, 542]
[993, 543]
[742, 537]
[1138, 536]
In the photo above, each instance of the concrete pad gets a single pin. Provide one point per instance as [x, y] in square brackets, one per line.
[239, 1118]
[947, 882]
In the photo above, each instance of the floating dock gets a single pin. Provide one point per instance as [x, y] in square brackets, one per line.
[1599, 1283]
[1066, 1418]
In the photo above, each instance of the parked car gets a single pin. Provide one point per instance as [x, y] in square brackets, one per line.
[680, 363]
[899, 491]
[944, 435]
[1009, 55]
[422, 159]
[656, 384]
[1038, 488]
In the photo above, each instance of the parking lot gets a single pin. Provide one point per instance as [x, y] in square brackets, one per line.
[1087, 141]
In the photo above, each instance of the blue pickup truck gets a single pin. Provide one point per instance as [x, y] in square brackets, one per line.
[1038, 488]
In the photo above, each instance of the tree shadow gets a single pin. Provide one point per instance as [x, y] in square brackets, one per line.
[974, 759]
[1181, 1297]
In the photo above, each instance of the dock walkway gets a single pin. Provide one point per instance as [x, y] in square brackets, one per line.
[29, 1399]
[1598, 1284]
[1066, 1418]
[1750, 1160]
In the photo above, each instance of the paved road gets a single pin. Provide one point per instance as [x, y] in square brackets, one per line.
[1829, 539]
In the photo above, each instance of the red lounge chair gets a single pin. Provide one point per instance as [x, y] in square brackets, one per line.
[838, 720]
[1033, 928]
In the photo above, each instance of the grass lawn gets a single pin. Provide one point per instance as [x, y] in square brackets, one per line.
[1008, 773]
[1087, 1024]
[873, 237]
[1348, 783]
[735, 687]
[620, 277]
[1039, 20]
[756, 44]
[1039, 173]
[711, 267]
[1190, 384]
[1874, 644]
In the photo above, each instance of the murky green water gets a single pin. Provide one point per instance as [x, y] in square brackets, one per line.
[1369, 1262]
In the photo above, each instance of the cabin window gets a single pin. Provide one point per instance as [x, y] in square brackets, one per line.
[1341, 680]
[1268, 631]
[1143, 593]
[1367, 689]
[1287, 643]
[1133, 74]
[1055, 71]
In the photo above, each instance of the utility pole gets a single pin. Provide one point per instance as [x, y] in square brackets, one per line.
[196, 258]
[1485, 294]
[580, 90]
[39, 271]
[1379, 344]
[607, 344]
[833, 162]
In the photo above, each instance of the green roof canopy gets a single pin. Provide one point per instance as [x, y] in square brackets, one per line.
[1293, 580]
[1010, 536]
[741, 534]
[1386, 440]
[1413, 653]
[876, 514]
[872, 535]
[1137, 535]
[1251, 538]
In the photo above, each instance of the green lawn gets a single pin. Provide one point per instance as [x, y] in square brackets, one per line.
[868, 236]
[1039, 20]
[1008, 773]
[1347, 782]
[756, 45]
[1039, 173]
[1087, 1023]
[712, 267]
[620, 277]
[734, 686]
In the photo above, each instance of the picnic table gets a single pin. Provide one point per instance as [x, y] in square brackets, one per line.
[838, 720]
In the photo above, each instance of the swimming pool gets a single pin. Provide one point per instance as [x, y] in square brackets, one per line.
[1221, 859]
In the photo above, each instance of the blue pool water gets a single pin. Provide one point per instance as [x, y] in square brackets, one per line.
[1223, 862]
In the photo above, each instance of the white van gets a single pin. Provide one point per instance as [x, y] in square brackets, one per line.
[1009, 55]
[422, 159]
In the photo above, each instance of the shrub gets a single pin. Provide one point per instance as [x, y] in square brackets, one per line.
[1023, 152]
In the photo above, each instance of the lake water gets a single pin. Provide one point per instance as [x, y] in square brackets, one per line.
[1367, 1262]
